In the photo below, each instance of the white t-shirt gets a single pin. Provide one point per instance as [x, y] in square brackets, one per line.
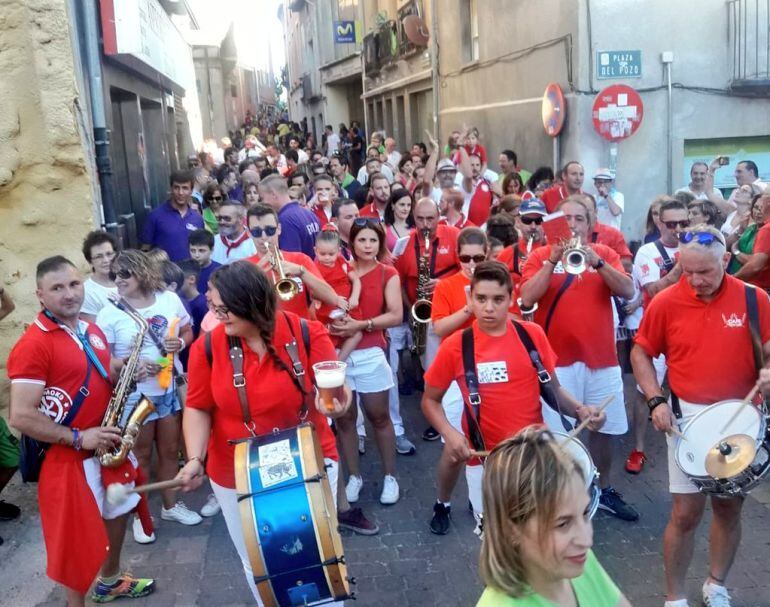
[648, 262]
[242, 251]
[604, 213]
[332, 144]
[393, 159]
[699, 195]
[363, 176]
[120, 330]
[302, 157]
[727, 227]
[96, 297]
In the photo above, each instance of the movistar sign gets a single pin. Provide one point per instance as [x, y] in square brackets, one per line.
[344, 32]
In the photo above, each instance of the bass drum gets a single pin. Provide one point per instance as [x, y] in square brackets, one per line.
[289, 519]
[580, 454]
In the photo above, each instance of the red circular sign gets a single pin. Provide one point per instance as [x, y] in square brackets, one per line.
[618, 112]
[554, 109]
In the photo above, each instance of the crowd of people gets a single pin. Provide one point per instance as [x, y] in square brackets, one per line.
[350, 236]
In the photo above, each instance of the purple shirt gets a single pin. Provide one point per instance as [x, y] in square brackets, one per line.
[205, 274]
[166, 229]
[298, 229]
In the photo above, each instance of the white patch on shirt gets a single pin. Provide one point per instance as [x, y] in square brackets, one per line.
[492, 373]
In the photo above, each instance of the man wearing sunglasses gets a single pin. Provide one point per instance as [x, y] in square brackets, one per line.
[702, 325]
[233, 241]
[529, 223]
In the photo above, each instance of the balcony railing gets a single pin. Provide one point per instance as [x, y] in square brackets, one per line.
[388, 42]
[748, 23]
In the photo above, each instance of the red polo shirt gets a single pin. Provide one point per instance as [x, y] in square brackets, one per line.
[274, 400]
[613, 238]
[554, 195]
[300, 304]
[370, 210]
[762, 245]
[443, 256]
[707, 344]
[461, 223]
[581, 328]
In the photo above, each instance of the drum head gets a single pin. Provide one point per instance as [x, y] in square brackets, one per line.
[704, 431]
[579, 453]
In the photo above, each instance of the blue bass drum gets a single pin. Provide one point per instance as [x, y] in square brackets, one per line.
[289, 519]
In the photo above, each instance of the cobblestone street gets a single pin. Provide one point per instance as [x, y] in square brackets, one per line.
[405, 564]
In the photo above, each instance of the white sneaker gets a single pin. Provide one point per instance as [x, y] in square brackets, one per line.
[353, 488]
[390, 492]
[140, 537]
[181, 514]
[715, 595]
[678, 603]
[211, 507]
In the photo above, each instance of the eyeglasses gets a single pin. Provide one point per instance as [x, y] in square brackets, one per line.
[530, 220]
[217, 198]
[363, 221]
[256, 231]
[223, 218]
[472, 258]
[218, 311]
[671, 225]
[124, 274]
[702, 238]
[101, 256]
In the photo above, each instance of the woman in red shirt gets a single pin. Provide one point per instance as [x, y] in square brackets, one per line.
[368, 372]
[243, 300]
[398, 216]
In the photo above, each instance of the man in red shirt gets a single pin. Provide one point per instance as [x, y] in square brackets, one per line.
[700, 323]
[572, 176]
[576, 314]
[608, 235]
[508, 382]
[324, 193]
[379, 193]
[757, 269]
[60, 387]
[477, 189]
[450, 207]
[529, 224]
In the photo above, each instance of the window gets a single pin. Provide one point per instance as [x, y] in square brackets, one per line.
[470, 39]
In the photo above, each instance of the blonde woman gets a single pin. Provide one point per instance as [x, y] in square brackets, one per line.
[537, 531]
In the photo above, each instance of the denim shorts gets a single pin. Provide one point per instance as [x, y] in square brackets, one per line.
[165, 405]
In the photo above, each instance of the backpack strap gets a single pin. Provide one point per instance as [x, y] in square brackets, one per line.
[564, 286]
[239, 381]
[207, 348]
[292, 349]
[752, 310]
[668, 264]
[471, 408]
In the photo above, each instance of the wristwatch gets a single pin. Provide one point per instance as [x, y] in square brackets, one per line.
[369, 325]
[655, 401]
[599, 264]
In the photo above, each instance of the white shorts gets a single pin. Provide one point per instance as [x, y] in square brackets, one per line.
[591, 387]
[678, 481]
[93, 470]
[400, 336]
[453, 407]
[368, 371]
[659, 363]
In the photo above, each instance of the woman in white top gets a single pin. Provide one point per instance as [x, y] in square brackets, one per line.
[139, 283]
[739, 218]
[99, 249]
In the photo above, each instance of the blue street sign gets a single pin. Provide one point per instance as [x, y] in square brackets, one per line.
[618, 64]
[344, 32]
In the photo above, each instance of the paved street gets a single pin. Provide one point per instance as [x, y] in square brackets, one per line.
[405, 564]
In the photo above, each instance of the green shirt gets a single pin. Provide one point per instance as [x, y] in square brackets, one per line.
[593, 588]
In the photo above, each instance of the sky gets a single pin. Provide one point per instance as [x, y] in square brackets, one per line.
[258, 32]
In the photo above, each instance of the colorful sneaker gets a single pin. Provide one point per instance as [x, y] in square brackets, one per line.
[430, 434]
[181, 514]
[211, 507]
[635, 462]
[355, 521]
[612, 501]
[126, 587]
[353, 488]
[140, 537]
[390, 492]
[404, 446]
[439, 524]
[715, 595]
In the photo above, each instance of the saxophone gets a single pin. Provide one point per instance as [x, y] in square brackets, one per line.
[113, 457]
[422, 307]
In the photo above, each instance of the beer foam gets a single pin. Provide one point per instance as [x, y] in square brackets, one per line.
[330, 378]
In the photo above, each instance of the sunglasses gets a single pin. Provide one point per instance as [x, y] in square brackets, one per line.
[218, 311]
[257, 232]
[223, 218]
[702, 238]
[216, 198]
[124, 274]
[363, 221]
[671, 225]
[530, 220]
[472, 258]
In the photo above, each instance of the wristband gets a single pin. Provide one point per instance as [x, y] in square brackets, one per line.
[77, 439]
[184, 344]
[369, 325]
[194, 458]
[656, 401]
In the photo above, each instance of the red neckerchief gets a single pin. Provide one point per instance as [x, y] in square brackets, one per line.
[233, 244]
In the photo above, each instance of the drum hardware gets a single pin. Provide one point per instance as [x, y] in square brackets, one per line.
[730, 456]
[577, 451]
[527, 314]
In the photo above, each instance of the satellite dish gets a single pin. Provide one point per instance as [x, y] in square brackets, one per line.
[416, 30]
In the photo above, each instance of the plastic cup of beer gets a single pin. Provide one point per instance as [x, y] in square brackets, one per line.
[330, 379]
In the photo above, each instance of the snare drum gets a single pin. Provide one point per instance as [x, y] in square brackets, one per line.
[289, 519]
[704, 431]
[580, 454]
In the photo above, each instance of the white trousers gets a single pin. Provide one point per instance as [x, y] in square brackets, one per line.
[228, 500]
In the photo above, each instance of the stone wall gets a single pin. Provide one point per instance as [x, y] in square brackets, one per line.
[46, 180]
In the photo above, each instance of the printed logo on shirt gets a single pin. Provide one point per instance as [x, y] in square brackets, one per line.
[158, 325]
[645, 269]
[443, 250]
[96, 342]
[191, 227]
[734, 321]
[55, 403]
[492, 373]
[484, 187]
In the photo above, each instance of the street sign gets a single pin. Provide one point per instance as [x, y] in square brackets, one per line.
[618, 64]
[617, 112]
[344, 32]
[554, 110]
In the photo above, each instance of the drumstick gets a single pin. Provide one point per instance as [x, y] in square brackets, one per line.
[579, 428]
[479, 454]
[676, 432]
[117, 493]
[746, 401]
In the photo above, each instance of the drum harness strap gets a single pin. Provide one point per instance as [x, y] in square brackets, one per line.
[752, 311]
[472, 406]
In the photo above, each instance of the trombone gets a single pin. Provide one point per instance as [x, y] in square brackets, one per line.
[285, 287]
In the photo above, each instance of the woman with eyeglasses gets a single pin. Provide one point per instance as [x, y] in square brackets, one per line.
[368, 373]
[99, 249]
[741, 242]
[140, 284]
[244, 302]
[398, 216]
[213, 197]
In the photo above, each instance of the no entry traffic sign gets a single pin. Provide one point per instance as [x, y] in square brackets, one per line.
[554, 110]
[617, 112]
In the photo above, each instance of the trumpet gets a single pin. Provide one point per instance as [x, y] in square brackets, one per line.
[285, 287]
[574, 258]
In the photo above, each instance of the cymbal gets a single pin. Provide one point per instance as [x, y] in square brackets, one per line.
[730, 456]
